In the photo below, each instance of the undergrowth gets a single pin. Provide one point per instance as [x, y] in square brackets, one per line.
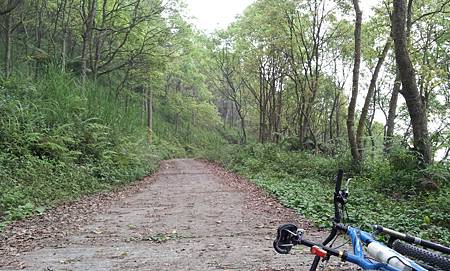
[59, 140]
[386, 192]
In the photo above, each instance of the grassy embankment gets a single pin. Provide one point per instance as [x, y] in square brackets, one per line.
[388, 191]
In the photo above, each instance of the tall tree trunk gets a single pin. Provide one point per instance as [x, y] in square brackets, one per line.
[6, 14]
[355, 81]
[279, 109]
[88, 24]
[409, 85]
[98, 40]
[8, 45]
[330, 117]
[369, 96]
[261, 113]
[338, 119]
[390, 122]
[39, 33]
[242, 120]
[149, 94]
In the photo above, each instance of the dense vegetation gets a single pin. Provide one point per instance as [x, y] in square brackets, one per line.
[304, 182]
[293, 71]
[66, 131]
[94, 93]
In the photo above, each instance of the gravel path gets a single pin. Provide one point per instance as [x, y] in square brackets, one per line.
[190, 215]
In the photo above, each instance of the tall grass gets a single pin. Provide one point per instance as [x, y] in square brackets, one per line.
[59, 140]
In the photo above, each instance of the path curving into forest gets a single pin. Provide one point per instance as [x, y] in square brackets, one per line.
[190, 215]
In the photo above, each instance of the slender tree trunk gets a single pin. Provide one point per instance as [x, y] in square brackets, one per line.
[300, 121]
[7, 16]
[338, 117]
[143, 103]
[409, 89]
[8, 45]
[39, 33]
[370, 94]
[149, 94]
[331, 116]
[98, 40]
[244, 133]
[390, 122]
[263, 101]
[66, 17]
[89, 19]
[63, 53]
[242, 120]
[278, 117]
[351, 108]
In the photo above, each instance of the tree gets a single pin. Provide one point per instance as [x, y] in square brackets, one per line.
[410, 91]
[390, 120]
[8, 27]
[231, 84]
[369, 97]
[355, 82]
[88, 15]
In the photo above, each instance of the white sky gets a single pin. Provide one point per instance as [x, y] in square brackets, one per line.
[210, 15]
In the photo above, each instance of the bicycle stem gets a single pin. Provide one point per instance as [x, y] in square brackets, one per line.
[336, 219]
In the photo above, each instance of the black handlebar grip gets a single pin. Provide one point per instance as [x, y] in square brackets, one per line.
[339, 180]
[337, 218]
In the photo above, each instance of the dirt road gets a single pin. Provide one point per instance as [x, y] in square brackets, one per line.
[190, 216]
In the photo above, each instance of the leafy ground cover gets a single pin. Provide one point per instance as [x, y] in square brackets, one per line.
[380, 194]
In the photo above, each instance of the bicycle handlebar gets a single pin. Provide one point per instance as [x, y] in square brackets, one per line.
[289, 235]
[339, 180]
[337, 196]
[412, 240]
[337, 216]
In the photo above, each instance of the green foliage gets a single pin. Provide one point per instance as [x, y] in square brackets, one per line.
[378, 195]
[59, 141]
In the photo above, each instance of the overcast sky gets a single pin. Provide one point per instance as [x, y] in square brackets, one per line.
[210, 15]
[213, 14]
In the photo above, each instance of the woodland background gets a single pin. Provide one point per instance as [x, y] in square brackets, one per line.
[94, 93]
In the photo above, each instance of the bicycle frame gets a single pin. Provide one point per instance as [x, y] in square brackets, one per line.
[358, 238]
[288, 235]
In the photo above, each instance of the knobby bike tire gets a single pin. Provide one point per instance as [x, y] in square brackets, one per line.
[421, 254]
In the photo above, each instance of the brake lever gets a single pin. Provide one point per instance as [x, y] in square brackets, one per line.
[343, 194]
[347, 184]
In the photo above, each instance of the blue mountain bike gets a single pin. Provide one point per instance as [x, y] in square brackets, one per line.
[400, 254]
